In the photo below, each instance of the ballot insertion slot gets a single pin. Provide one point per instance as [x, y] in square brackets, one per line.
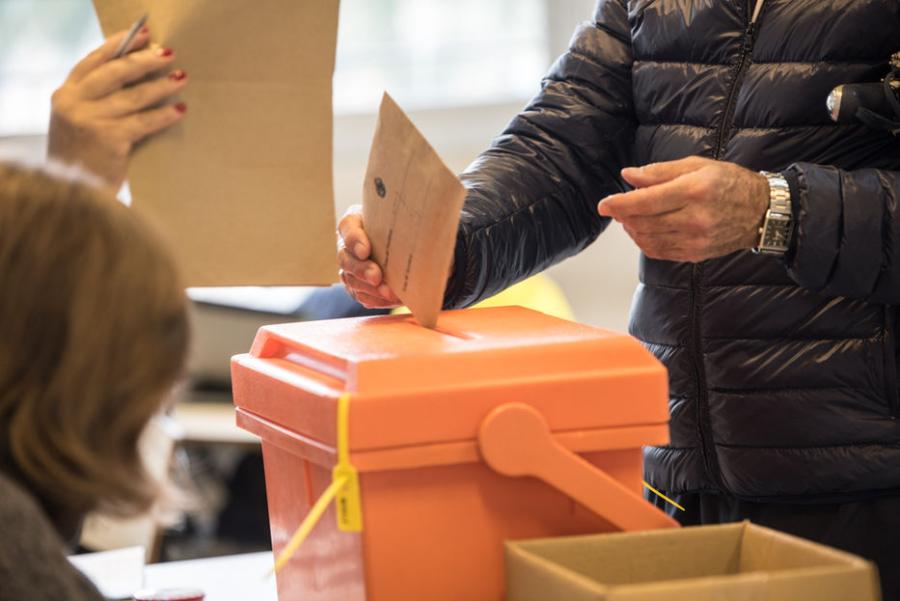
[442, 331]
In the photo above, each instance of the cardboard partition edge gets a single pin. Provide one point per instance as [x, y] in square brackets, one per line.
[528, 575]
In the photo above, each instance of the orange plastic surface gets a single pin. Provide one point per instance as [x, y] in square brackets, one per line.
[515, 441]
[414, 386]
[506, 424]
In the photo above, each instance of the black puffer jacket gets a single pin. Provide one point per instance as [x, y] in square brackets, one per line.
[782, 372]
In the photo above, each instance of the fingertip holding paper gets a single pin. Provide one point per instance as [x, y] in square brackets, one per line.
[411, 211]
[243, 185]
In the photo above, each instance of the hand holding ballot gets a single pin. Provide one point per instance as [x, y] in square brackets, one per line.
[362, 276]
[109, 104]
[411, 208]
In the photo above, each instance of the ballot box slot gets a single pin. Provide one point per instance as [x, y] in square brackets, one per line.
[440, 330]
[457, 335]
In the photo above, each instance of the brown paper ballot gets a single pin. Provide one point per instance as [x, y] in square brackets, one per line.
[411, 208]
[243, 184]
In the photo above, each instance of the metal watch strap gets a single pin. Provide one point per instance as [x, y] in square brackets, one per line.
[775, 233]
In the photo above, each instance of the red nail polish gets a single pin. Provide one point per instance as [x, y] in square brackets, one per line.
[181, 107]
[177, 75]
[166, 52]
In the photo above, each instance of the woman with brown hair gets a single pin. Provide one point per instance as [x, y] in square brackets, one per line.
[93, 333]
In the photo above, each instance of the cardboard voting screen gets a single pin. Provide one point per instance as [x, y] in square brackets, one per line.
[411, 208]
[243, 185]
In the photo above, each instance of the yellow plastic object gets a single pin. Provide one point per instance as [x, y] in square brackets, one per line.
[662, 496]
[344, 487]
[312, 518]
[349, 510]
[539, 293]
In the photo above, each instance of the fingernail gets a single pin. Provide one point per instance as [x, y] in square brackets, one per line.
[372, 275]
[181, 108]
[145, 30]
[360, 250]
[165, 52]
[385, 291]
[177, 75]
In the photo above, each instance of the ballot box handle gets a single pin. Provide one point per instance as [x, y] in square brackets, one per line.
[515, 440]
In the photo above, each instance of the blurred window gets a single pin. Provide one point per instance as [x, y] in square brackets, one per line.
[40, 41]
[435, 53]
[426, 53]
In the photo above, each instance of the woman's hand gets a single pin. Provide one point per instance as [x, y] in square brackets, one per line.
[361, 276]
[108, 104]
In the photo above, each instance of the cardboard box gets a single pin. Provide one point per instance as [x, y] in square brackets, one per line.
[732, 562]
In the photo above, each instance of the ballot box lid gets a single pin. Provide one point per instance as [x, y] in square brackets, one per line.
[411, 385]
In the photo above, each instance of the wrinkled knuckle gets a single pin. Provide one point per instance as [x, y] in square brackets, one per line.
[137, 96]
[651, 250]
[358, 269]
[58, 98]
[87, 128]
[703, 223]
[150, 120]
[61, 103]
[704, 187]
[699, 247]
[121, 148]
[699, 160]
[348, 284]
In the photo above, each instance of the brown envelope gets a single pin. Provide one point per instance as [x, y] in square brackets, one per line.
[243, 185]
[411, 208]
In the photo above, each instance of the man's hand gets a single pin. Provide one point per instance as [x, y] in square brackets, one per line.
[107, 105]
[361, 276]
[690, 210]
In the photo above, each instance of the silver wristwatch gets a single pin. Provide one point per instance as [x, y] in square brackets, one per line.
[775, 232]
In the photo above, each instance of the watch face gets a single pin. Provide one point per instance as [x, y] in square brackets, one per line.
[776, 233]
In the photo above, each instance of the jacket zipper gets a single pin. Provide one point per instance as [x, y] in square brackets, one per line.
[890, 362]
[704, 426]
[743, 63]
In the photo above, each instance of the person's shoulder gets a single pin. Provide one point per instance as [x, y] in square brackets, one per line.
[17, 505]
[33, 563]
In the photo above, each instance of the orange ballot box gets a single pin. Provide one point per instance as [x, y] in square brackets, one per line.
[501, 424]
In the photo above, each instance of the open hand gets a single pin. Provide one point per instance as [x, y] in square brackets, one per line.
[690, 210]
[105, 106]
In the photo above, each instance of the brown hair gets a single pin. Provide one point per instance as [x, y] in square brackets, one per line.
[93, 333]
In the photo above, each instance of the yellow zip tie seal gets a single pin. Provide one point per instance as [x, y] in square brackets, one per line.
[344, 488]
[306, 526]
[662, 496]
[349, 508]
